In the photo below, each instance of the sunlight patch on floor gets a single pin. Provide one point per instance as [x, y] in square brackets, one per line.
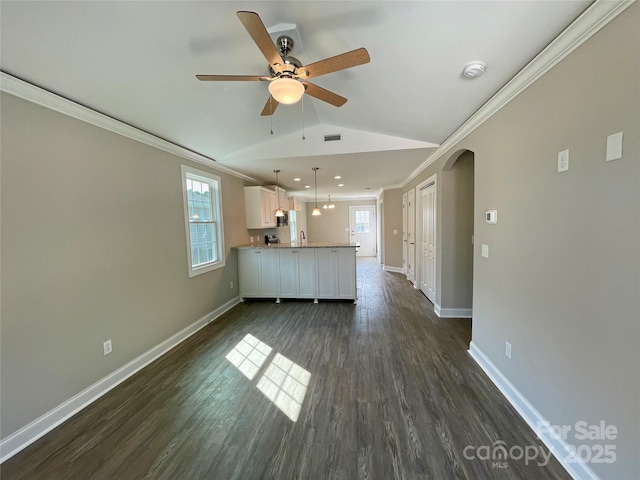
[249, 355]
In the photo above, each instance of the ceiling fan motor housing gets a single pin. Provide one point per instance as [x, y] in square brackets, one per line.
[285, 45]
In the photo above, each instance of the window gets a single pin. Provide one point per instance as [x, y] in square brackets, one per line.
[203, 220]
[362, 221]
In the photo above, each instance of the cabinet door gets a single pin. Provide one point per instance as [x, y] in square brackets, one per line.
[249, 272]
[346, 272]
[326, 269]
[288, 272]
[268, 208]
[268, 272]
[306, 272]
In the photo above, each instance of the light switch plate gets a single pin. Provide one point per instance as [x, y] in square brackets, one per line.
[485, 250]
[563, 161]
[614, 146]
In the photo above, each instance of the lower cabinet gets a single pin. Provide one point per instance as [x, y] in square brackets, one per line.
[297, 272]
[336, 273]
[258, 272]
[314, 273]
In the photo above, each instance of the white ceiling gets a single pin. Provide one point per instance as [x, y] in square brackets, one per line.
[137, 61]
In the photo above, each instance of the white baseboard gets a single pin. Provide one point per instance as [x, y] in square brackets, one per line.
[453, 312]
[556, 445]
[28, 434]
[387, 268]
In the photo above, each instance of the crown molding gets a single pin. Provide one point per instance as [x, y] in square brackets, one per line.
[32, 93]
[599, 14]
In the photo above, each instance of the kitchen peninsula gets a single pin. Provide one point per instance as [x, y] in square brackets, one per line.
[301, 271]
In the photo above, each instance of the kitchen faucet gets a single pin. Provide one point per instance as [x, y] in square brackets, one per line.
[302, 236]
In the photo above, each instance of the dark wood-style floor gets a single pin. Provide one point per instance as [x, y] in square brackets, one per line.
[392, 394]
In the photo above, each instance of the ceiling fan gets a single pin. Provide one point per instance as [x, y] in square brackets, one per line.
[288, 77]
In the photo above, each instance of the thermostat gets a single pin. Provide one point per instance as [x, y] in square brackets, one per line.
[491, 216]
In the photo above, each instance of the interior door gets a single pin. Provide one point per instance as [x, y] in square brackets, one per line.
[362, 225]
[411, 236]
[428, 242]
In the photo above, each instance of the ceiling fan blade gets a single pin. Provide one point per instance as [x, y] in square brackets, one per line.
[324, 95]
[269, 107]
[231, 78]
[350, 59]
[258, 32]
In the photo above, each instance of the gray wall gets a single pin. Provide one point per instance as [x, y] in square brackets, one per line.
[332, 225]
[392, 242]
[93, 247]
[562, 280]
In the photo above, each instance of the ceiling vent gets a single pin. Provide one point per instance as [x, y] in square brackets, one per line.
[335, 137]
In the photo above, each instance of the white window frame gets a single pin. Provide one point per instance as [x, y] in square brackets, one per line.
[216, 187]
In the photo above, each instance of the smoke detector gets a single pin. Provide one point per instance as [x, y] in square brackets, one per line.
[474, 69]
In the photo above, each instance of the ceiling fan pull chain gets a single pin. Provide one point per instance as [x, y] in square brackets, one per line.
[303, 138]
[271, 116]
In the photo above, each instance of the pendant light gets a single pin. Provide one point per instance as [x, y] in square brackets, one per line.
[316, 211]
[279, 211]
[329, 205]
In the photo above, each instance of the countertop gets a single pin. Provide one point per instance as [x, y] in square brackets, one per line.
[296, 245]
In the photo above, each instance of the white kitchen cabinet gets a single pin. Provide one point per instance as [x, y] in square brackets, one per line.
[260, 207]
[258, 273]
[304, 272]
[297, 272]
[336, 273]
[296, 204]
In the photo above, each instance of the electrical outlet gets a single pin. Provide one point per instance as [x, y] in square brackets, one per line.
[507, 350]
[231, 285]
[107, 348]
[485, 250]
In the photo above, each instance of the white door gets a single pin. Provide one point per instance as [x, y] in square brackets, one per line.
[404, 233]
[428, 242]
[362, 224]
[411, 236]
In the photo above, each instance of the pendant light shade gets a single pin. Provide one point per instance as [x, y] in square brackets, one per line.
[279, 211]
[286, 90]
[328, 205]
[316, 211]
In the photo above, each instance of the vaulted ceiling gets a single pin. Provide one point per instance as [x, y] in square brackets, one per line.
[137, 61]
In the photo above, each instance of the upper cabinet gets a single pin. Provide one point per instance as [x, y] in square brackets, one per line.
[296, 204]
[260, 207]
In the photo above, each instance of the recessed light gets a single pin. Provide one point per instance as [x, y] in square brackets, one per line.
[341, 184]
[296, 179]
[307, 186]
[337, 177]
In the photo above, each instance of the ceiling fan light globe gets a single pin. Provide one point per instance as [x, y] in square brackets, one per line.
[286, 90]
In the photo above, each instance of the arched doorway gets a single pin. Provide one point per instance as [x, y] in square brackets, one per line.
[457, 228]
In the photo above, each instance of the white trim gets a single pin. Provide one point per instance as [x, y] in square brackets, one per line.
[47, 99]
[453, 312]
[599, 14]
[28, 434]
[386, 268]
[560, 449]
